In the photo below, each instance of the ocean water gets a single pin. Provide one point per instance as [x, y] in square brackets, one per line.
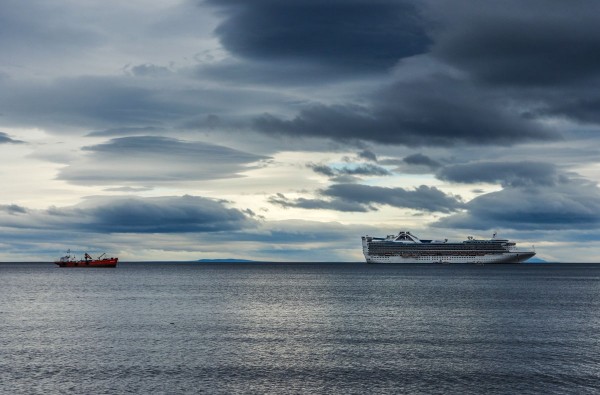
[165, 328]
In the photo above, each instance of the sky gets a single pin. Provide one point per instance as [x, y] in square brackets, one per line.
[285, 130]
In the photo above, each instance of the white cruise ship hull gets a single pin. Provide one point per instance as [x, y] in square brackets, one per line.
[407, 248]
[488, 258]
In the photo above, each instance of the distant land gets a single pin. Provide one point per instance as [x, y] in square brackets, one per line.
[224, 260]
[535, 260]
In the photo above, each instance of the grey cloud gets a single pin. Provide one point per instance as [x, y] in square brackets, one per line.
[535, 44]
[149, 69]
[367, 169]
[319, 204]
[350, 35]
[43, 27]
[421, 198]
[85, 101]
[6, 139]
[322, 169]
[13, 209]
[575, 205]
[144, 159]
[368, 155]
[362, 198]
[539, 55]
[513, 174]
[136, 215]
[167, 215]
[280, 73]
[129, 189]
[421, 160]
[580, 103]
[437, 111]
[122, 103]
[127, 131]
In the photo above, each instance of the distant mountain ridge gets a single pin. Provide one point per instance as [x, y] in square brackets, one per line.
[225, 260]
[535, 260]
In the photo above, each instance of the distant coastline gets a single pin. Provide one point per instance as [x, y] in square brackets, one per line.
[536, 260]
[225, 260]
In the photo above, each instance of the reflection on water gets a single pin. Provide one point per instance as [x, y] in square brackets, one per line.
[299, 328]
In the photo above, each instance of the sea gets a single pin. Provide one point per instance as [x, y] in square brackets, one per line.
[300, 328]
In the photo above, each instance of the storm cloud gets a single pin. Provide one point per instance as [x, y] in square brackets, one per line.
[366, 170]
[435, 111]
[134, 215]
[421, 160]
[507, 174]
[362, 198]
[575, 205]
[540, 43]
[355, 35]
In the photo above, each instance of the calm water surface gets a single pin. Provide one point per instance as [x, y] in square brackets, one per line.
[300, 328]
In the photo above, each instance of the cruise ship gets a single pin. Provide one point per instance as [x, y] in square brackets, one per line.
[408, 248]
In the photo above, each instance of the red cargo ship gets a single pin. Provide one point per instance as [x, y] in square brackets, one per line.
[70, 261]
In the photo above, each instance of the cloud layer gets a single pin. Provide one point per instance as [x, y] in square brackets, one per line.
[356, 36]
[362, 198]
[153, 159]
[132, 215]
[569, 206]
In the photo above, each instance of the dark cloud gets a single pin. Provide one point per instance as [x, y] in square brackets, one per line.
[166, 215]
[362, 198]
[366, 170]
[127, 131]
[5, 139]
[12, 209]
[421, 198]
[436, 111]
[144, 159]
[574, 205]
[319, 204]
[136, 215]
[349, 35]
[513, 174]
[368, 155]
[579, 103]
[282, 73]
[323, 169]
[535, 44]
[421, 160]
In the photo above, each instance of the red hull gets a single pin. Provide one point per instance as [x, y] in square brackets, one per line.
[109, 262]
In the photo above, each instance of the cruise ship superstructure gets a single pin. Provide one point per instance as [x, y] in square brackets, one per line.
[408, 248]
